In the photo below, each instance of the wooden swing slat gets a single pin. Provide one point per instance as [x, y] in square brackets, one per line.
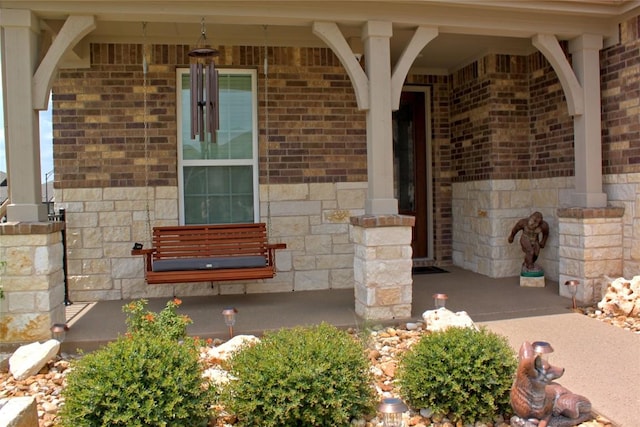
[227, 244]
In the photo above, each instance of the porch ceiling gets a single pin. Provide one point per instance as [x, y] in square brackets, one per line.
[467, 29]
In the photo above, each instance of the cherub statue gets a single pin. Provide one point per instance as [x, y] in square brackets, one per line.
[532, 228]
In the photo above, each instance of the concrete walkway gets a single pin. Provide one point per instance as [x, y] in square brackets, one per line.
[602, 362]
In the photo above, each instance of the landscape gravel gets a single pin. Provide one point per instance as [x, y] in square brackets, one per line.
[384, 348]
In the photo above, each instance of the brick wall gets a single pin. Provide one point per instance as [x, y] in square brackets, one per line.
[316, 133]
[551, 126]
[489, 118]
[509, 120]
[620, 76]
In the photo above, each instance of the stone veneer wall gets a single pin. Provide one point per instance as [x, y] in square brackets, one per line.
[486, 211]
[623, 190]
[103, 223]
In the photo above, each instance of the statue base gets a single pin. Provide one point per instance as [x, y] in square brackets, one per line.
[529, 280]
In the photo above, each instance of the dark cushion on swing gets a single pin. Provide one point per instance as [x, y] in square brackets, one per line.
[187, 264]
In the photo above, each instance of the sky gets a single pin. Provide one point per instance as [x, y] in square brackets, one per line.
[46, 140]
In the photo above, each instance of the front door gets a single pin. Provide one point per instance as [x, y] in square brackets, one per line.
[412, 166]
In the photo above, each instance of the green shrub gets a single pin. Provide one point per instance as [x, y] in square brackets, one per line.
[167, 323]
[141, 379]
[461, 373]
[315, 376]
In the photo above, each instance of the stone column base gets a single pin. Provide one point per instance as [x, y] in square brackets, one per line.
[32, 281]
[532, 282]
[382, 266]
[591, 249]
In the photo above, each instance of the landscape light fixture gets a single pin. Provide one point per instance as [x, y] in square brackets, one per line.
[391, 410]
[440, 300]
[59, 331]
[203, 88]
[542, 349]
[572, 285]
[229, 315]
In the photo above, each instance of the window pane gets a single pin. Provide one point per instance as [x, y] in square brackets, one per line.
[235, 136]
[218, 194]
[236, 116]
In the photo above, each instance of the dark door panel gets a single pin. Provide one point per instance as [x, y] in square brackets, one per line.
[410, 165]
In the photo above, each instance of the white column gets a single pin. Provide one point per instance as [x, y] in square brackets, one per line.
[585, 51]
[22, 128]
[376, 36]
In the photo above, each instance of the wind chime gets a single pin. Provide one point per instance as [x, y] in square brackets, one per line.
[204, 89]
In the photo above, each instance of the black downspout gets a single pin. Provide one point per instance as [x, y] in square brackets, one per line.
[67, 301]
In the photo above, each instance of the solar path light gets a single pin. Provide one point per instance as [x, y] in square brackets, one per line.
[229, 315]
[440, 300]
[391, 410]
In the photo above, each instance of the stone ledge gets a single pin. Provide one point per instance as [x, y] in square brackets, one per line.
[386, 220]
[26, 228]
[586, 213]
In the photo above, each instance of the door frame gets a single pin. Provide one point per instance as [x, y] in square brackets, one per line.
[429, 166]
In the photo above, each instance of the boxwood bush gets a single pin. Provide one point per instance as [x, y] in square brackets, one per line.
[305, 376]
[462, 373]
[146, 378]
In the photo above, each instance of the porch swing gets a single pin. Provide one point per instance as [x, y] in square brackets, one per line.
[208, 252]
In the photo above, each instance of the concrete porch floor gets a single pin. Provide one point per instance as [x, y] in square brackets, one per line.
[602, 362]
[483, 298]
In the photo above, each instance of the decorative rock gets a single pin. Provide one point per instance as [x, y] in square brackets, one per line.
[442, 319]
[217, 375]
[622, 297]
[28, 359]
[18, 412]
[413, 326]
[426, 412]
[225, 350]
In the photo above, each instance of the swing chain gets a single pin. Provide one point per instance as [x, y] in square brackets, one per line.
[145, 70]
[267, 136]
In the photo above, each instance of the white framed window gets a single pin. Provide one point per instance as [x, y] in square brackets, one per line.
[218, 182]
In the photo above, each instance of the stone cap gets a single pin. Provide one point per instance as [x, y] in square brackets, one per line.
[384, 220]
[26, 228]
[586, 213]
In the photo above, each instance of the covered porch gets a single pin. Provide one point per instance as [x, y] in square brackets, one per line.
[393, 45]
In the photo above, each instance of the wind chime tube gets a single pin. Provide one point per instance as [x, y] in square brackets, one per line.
[201, 102]
[212, 101]
[197, 103]
[193, 79]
